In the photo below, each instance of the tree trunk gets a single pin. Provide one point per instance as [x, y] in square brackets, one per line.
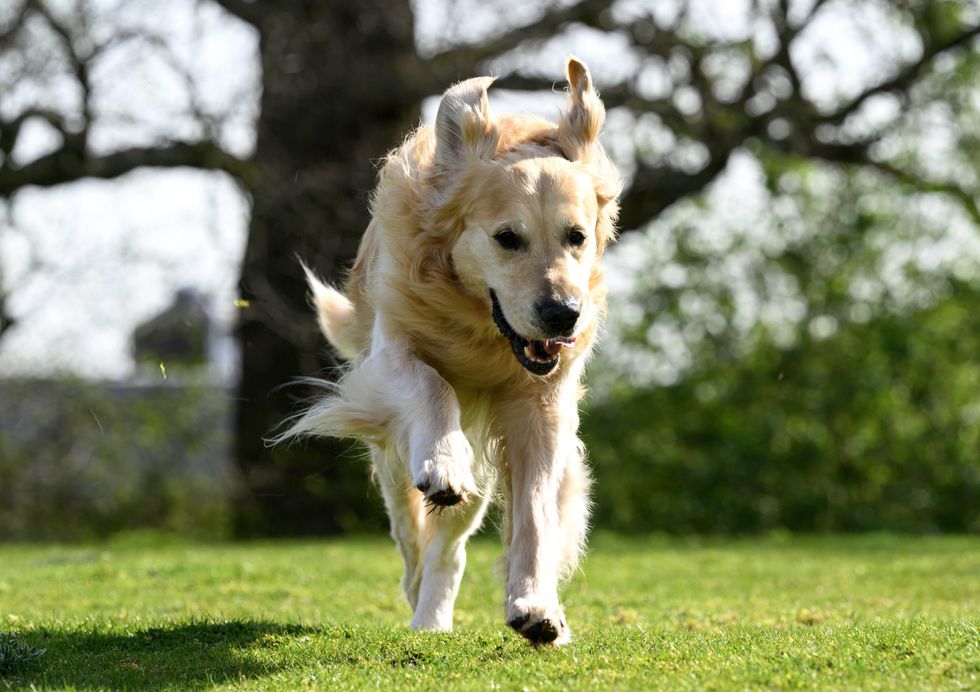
[337, 94]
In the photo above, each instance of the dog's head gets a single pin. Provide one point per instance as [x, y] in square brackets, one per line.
[534, 208]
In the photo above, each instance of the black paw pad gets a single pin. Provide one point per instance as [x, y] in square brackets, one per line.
[445, 498]
[541, 632]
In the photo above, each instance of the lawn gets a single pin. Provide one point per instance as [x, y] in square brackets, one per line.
[870, 612]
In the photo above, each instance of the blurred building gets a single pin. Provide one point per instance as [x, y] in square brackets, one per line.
[184, 341]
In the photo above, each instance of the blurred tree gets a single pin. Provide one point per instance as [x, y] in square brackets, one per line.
[342, 82]
[805, 359]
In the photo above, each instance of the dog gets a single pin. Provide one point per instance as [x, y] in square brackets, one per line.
[467, 318]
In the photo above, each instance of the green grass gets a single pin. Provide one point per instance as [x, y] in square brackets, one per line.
[869, 612]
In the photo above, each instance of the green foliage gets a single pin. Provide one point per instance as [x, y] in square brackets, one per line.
[81, 460]
[875, 427]
[867, 612]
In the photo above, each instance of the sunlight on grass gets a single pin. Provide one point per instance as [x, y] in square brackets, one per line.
[781, 612]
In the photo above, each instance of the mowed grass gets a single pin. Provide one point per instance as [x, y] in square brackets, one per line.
[846, 612]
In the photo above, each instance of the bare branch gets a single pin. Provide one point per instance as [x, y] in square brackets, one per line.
[786, 33]
[655, 189]
[454, 63]
[159, 45]
[624, 95]
[65, 166]
[520, 82]
[905, 78]
[6, 321]
[965, 198]
[9, 34]
[858, 154]
[79, 64]
[10, 129]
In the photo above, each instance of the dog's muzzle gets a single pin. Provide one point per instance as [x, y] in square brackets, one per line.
[537, 356]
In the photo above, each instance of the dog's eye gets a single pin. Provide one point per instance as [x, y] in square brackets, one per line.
[576, 237]
[507, 239]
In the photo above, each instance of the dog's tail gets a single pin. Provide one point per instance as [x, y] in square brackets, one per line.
[353, 407]
[335, 314]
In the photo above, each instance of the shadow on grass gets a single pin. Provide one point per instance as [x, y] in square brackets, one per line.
[182, 655]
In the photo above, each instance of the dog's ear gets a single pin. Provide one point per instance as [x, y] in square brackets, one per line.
[464, 126]
[579, 127]
[578, 135]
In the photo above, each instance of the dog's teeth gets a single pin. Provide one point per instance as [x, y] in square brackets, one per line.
[530, 354]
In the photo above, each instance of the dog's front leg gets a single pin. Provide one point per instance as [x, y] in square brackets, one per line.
[429, 430]
[539, 445]
[429, 437]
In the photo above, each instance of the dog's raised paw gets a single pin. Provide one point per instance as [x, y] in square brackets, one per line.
[445, 475]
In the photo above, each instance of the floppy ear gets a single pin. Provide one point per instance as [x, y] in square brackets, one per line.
[579, 127]
[464, 127]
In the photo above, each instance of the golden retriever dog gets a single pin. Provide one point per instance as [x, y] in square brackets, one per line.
[467, 319]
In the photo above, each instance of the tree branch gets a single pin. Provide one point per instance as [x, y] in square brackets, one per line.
[904, 79]
[79, 64]
[454, 63]
[967, 200]
[67, 165]
[10, 129]
[655, 189]
[6, 321]
[9, 34]
[521, 82]
[857, 154]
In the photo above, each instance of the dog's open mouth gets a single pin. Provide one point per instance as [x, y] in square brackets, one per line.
[537, 356]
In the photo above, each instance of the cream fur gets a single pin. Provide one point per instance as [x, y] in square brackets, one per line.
[433, 387]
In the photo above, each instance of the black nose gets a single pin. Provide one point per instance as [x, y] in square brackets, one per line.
[558, 317]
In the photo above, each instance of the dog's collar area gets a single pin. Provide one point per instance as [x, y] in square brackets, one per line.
[539, 357]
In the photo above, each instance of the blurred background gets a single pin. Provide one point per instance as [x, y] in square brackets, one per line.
[794, 333]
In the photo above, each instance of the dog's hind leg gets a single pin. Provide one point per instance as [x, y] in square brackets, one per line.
[445, 560]
[406, 516]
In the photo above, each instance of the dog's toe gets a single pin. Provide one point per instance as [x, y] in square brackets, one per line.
[518, 622]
